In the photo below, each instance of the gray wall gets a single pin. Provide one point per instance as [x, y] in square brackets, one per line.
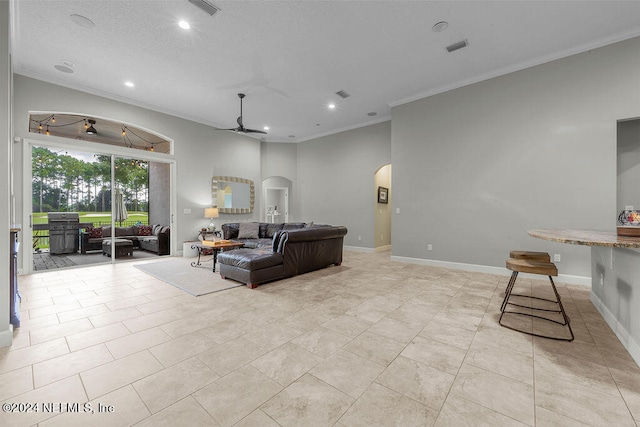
[200, 151]
[628, 164]
[335, 180]
[616, 277]
[5, 150]
[476, 167]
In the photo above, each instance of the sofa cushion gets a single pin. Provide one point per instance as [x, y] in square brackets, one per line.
[125, 231]
[250, 259]
[144, 230]
[293, 225]
[271, 230]
[248, 230]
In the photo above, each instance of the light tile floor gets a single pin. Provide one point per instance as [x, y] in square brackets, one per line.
[371, 342]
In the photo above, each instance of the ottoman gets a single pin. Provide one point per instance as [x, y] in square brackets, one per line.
[251, 266]
[124, 247]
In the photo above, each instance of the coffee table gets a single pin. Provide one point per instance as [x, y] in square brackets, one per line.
[221, 245]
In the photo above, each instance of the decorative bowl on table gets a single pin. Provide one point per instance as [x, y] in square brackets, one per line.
[629, 223]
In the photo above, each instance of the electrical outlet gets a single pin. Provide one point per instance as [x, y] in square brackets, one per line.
[556, 257]
[382, 237]
[359, 237]
[397, 211]
[187, 211]
[601, 279]
[429, 247]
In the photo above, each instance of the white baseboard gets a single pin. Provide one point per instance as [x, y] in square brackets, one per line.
[359, 249]
[564, 278]
[6, 337]
[623, 335]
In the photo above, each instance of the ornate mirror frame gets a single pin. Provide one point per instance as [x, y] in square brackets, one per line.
[214, 194]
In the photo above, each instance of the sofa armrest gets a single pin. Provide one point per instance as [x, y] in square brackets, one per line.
[163, 244]
[84, 242]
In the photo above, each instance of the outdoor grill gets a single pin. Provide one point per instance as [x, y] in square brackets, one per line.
[63, 232]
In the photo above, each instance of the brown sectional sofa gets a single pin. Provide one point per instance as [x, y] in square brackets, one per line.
[294, 249]
[153, 238]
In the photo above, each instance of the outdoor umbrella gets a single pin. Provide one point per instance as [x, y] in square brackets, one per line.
[120, 209]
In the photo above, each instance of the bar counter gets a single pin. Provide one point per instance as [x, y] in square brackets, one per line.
[615, 278]
[586, 237]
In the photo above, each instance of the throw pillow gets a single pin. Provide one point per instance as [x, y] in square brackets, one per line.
[248, 230]
[106, 231]
[144, 230]
[95, 233]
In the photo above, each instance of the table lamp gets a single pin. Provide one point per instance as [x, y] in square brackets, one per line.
[211, 213]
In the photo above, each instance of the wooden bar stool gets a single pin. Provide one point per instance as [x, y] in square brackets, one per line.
[534, 267]
[530, 255]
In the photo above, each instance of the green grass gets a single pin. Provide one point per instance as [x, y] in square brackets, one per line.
[102, 217]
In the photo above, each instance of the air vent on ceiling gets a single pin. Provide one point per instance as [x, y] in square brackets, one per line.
[206, 6]
[456, 46]
[343, 94]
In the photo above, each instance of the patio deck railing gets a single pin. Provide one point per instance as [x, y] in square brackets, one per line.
[41, 237]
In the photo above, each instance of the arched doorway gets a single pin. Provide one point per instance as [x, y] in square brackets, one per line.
[81, 176]
[382, 217]
[276, 199]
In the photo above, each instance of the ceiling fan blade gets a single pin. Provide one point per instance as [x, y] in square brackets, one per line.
[255, 131]
[239, 120]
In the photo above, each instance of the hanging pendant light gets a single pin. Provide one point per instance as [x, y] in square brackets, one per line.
[91, 130]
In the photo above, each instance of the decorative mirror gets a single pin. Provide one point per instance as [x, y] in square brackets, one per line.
[232, 195]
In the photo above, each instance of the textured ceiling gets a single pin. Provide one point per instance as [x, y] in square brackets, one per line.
[290, 57]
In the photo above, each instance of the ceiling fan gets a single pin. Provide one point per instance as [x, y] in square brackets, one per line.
[241, 127]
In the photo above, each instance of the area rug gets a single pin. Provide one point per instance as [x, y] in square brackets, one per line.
[194, 280]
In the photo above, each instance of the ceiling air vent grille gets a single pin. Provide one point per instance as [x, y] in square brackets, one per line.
[206, 6]
[457, 46]
[343, 94]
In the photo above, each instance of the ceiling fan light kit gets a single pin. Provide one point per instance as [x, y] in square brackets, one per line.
[241, 128]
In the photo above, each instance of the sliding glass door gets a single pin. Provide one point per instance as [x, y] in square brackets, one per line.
[84, 205]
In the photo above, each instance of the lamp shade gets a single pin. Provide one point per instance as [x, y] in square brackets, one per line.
[211, 213]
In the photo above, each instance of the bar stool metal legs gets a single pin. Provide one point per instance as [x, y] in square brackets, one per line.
[548, 269]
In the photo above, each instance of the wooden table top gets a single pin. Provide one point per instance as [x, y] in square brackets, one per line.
[222, 244]
[586, 237]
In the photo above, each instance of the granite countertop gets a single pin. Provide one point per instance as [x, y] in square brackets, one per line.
[586, 237]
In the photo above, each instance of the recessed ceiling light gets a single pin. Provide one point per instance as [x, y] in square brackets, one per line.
[371, 114]
[184, 25]
[82, 21]
[331, 106]
[266, 128]
[440, 27]
[292, 136]
[129, 84]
